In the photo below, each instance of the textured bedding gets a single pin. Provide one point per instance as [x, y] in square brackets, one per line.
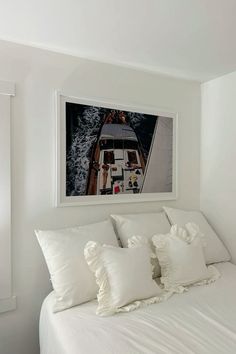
[202, 320]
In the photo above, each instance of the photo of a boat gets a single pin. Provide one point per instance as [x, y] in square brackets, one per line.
[114, 152]
[118, 164]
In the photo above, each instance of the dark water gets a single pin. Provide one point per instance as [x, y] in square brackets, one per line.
[83, 124]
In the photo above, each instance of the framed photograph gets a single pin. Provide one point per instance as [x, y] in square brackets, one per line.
[114, 153]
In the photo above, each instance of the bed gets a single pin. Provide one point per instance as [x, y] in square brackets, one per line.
[202, 320]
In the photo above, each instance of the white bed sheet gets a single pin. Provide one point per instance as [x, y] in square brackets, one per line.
[202, 320]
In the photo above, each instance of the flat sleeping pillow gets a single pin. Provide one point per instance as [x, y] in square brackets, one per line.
[72, 280]
[214, 251]
[124, 276]
[146, 225]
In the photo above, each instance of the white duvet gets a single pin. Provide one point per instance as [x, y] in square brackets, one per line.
[202, 320]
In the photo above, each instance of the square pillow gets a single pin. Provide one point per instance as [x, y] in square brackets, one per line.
[147, 225]
[215, 250]
[181, 257]
[139, 241]
[72, 280]
[124, 276]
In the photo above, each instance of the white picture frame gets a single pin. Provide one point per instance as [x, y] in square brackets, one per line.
[61, 200]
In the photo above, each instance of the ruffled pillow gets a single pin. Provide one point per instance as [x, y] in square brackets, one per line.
[124, 277]
[181, 257]
[138, 241]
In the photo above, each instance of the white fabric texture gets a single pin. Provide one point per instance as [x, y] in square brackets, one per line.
[63, 250]
[215, 250]
[124, 277]
[147, 225]
[139, 241]
[181, 257]
[200, 321]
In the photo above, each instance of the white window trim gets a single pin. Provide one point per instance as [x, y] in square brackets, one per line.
[7, 300]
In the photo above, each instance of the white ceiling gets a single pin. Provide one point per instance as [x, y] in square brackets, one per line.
[194, 39]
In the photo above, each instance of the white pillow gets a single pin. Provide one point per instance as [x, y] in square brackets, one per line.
[124, 276]
[215, 251]
[139, 241]
[146, 225]
[182, 259]
[72, 280]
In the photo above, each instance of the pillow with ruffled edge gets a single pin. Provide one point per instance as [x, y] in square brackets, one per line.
[137, 241]
[181, 257]
[124, 277]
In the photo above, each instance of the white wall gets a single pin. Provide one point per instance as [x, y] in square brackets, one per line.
[218, 157]
[37, 74]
